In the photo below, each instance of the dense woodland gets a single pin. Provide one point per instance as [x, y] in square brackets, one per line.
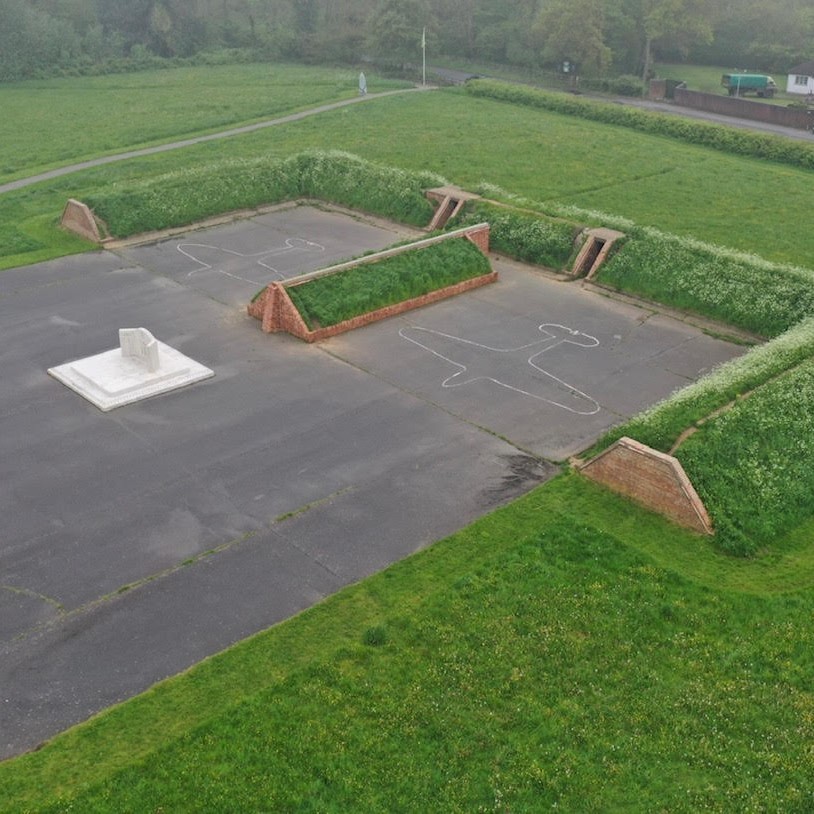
[603, 37]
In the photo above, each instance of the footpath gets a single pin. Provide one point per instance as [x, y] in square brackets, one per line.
[176, 145]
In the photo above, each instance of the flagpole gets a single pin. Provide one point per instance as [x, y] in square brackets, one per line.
[424, 58]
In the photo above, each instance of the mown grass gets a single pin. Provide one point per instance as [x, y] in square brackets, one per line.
[52, 122]
[543, 156]
[329, 300]
[539, 658]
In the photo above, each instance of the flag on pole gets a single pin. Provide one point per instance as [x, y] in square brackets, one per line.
[424, 38]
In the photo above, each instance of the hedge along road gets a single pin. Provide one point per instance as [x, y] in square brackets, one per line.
[176, 145]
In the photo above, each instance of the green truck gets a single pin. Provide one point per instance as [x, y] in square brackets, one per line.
[739, 84]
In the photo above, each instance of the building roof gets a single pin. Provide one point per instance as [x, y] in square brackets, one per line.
[803, 69]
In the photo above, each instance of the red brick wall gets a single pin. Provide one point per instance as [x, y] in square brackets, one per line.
[277, 313]
[744, 108]
[77, 218]
[479, 235]
[651, 478]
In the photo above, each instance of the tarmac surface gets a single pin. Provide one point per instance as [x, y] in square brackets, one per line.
[136, 542]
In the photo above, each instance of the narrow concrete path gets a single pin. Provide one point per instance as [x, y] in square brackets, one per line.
[176, 145]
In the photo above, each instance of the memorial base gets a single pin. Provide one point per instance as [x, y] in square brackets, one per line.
[113, 379]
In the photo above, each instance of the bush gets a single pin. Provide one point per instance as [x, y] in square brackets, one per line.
[184, 197]
[726, 139]
[526, 236]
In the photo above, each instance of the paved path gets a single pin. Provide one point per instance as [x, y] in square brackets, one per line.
[175, 145]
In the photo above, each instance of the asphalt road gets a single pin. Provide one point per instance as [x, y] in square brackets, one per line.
[137, 542]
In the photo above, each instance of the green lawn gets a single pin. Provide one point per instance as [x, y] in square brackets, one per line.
[554, 654]
[744, 203]
[52, 122]
[568, 651]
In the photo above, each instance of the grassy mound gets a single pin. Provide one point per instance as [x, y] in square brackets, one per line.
[741, 290]
[189, 195]
[532, 238]
[335, 298]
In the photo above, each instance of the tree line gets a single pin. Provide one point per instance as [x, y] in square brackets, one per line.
[600, 37]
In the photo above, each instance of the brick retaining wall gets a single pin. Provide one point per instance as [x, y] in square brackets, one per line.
[655, 480]
[277, 313]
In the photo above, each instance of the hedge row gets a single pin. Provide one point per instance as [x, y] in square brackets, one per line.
[328, 300]
[764, 490]
[661, 425]
[727, 139]
[184, 197]
[738, 289]
[526, 236]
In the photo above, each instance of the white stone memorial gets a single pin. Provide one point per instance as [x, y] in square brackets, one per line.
[140, 368]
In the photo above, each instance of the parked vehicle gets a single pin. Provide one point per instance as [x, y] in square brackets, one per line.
[740, 84]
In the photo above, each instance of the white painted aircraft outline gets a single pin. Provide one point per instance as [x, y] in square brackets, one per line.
[292, 244]
[560, 334]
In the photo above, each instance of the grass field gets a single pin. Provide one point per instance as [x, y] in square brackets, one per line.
[569, 651]
[547, 656]
[743, 203]
[76, 119]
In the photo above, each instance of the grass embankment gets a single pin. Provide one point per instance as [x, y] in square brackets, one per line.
[750, 458]
[650, 180]
[181, 198]
[523, 235]
[332, 299]
[85, 117]
[752, 464]
[540, 657]
[745, 291]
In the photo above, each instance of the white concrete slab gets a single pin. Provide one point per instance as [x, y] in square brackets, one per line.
[118, 377]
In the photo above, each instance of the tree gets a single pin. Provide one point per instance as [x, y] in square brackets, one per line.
[395, 28]
[573, 30]
[679, 22]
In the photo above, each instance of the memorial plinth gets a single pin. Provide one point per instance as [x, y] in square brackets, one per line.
[142, 367]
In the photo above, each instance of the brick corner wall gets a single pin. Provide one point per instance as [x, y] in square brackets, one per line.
[277, 313]
[77, 218]
[653, 479]
[479, 235]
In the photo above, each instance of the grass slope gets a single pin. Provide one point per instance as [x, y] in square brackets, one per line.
[541, 657]
[335, 298]
[51, 122]
[543, 156]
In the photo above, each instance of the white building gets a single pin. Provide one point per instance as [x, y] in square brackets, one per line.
[801, 79]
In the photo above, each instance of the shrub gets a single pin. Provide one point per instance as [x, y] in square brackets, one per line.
[183, 197]
[726, 139]
[525, 236]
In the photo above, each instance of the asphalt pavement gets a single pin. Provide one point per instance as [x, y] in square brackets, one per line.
[135, 543]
